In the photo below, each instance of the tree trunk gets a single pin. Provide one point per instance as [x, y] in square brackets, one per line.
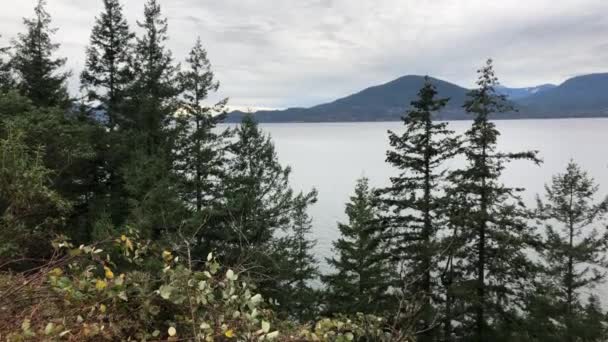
[428, 330]
[481, 261]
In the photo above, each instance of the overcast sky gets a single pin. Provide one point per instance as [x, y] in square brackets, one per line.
[281, 53]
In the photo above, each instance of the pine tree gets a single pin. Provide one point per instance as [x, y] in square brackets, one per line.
[107, 77]
[415, 199]
[38, 73]
[152, 188]
[107, 74]
[452, 266]
[257, 202]
[594, 325]
[493, 217]
[539, 312]
[200, 149]
[154, 91]
[297, 266]
[362, 271]
[575, 253]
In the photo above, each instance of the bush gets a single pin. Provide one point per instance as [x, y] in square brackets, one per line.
[81, 294]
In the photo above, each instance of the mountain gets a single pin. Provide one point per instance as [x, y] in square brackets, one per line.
[582, 96]
[521, 93]
[386, 102]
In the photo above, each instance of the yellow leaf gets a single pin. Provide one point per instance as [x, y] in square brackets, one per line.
[129, 244]
[57, 272]
[123, 238]
[102, 308]
[109, 273]
[229, 333]
[167, 256]
[100, 285]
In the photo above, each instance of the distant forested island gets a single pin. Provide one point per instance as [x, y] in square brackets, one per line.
[581, 96]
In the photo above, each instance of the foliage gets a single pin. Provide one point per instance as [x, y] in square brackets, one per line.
[107, 74]
[152, 95]
[296, 267]
[575, 252]
[39, 75]
[154, 203]
[414, 202]
[200, 150]
[82, 295]
[257, 201]
[362, 273]
[66, 143]
[496, 270]
[6, 76]
[31, 211]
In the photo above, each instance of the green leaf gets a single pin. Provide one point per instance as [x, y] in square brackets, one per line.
[265, 326]
[49, 328]
[165, 291]
[231, 276]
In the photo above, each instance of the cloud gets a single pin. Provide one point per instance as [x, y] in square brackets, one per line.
[282, 53]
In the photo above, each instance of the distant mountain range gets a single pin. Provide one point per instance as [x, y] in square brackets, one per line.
[522, 93]
[582, 96]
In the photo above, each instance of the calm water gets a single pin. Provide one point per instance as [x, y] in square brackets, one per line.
[331, 156]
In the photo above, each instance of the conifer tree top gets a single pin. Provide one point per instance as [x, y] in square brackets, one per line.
[39, 74]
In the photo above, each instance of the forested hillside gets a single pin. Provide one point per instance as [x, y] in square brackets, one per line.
[152, 223]
[384, 102]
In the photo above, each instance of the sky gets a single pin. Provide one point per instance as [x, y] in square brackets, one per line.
[286, 53]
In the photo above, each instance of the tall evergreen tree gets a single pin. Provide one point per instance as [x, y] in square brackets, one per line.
[494, 219]
[200, 149]
[257, 203]
[39, 74]
[149, 176]
[415, 199]
[362, 271]
[153, 94]
[452, 266]
[107, 72]
[107, 77]
[575, 253]
[297, 266]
